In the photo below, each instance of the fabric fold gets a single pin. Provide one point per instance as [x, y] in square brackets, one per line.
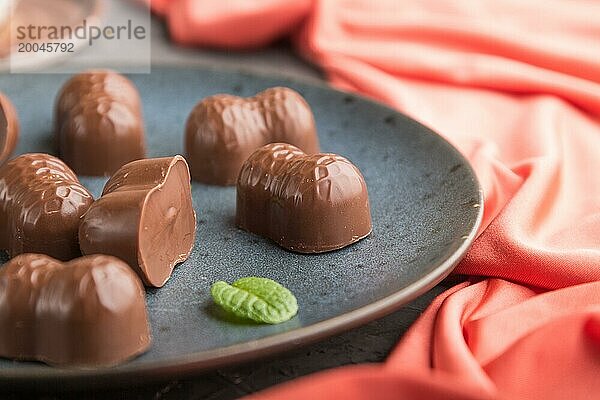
[515, 86]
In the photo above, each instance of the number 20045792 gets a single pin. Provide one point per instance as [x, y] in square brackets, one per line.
[46, 47]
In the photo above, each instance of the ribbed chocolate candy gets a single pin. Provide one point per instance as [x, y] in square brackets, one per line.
[88, 312]
[41, 203]
[305, 203]
[98, 123]
[223, 130]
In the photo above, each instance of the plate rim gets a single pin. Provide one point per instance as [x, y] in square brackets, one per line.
[200, 362]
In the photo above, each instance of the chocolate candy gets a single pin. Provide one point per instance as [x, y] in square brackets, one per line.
[41, 203]
[305, 203]
[9, 128]
[223, 130]
[145, 217]
[84, 313]
[98, 123]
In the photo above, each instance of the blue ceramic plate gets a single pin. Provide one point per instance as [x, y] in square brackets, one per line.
[426, 207]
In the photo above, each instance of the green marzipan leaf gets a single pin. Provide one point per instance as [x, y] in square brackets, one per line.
[259, 299]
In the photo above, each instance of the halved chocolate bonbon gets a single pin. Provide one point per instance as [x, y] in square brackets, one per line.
[145, 217]
[223, 130]
[98, 123]
[41, 203]
[305, 203]
[9, 128]
[84, 313]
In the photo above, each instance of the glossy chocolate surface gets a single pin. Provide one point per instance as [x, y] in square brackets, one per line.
[84, 313]
[98, 123]
[223, 130]
[422, 194]
[145, 217]
[41, 203]
[305, 203]
[9, 128]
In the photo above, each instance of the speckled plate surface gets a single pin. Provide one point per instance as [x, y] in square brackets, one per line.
[426, 206]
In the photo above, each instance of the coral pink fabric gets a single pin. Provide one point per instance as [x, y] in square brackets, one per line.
[515, 86]
[489, 340]
[233, 24]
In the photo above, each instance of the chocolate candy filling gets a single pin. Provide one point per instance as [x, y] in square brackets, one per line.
[145, 217]
[9, 128]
